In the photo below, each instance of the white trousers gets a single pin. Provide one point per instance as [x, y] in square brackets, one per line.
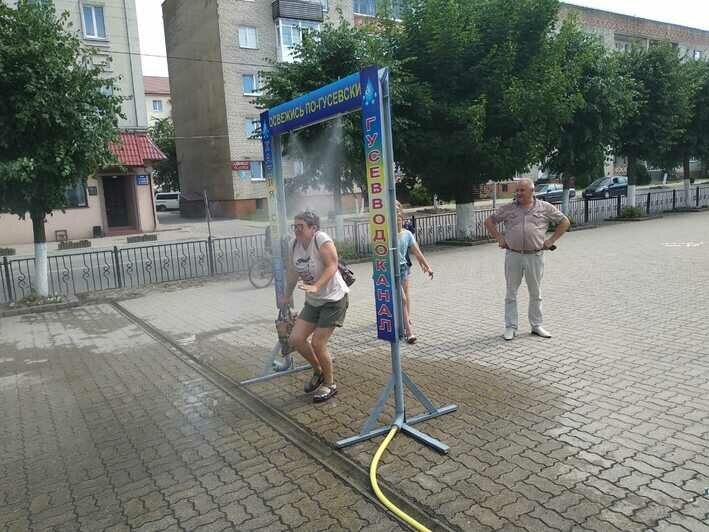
[531, 267]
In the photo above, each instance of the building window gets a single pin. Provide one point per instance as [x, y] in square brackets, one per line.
[247, 37]
[256, 170]
[94, 27]
[157, 106]
[252, 127]
[290, 35]
[395, 8]
[504, 188]
[261, 204]
[252, 84]
[365, 7]
[75, 195]
[254, 173]
[623, 46]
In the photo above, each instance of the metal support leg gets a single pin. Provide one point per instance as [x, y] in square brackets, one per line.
[431, 442]
[368, 432]
[268, 372]
[378, 407]
[427, 404]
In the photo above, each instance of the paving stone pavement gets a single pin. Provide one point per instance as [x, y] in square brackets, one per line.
[603, 427]
[104, 429]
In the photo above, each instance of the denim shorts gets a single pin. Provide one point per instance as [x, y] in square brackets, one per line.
[404, 271]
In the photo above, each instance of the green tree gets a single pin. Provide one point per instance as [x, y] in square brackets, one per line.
[163, 134]
[332, 152]
[487, 97]
[695, 142]
[57, 116]
[662, 93]
[599, 97]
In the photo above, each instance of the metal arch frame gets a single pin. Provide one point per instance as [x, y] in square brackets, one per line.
[368, 91]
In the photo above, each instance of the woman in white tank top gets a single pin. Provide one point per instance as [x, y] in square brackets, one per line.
[312, 267]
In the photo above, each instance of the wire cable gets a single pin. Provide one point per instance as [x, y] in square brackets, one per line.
[185, 58]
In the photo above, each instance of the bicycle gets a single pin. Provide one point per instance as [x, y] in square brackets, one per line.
[261, 272]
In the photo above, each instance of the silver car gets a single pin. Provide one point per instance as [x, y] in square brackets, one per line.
[552, 192]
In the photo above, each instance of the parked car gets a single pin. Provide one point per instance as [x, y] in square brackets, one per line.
[167, 201]
[607, 187]
[552, 192]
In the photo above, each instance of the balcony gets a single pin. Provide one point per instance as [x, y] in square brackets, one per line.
[298, 9]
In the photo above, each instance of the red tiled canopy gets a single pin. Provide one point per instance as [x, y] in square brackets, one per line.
[136, 148]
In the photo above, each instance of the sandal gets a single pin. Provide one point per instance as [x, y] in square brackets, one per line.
[410, 336]
[324, 392]
[314, 383]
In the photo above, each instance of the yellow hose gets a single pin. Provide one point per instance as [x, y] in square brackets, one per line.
[373, 478]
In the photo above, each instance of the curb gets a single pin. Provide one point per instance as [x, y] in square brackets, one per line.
[687, 209]
[72, 302]
[465, 243]
[574, 228]
[638, 219]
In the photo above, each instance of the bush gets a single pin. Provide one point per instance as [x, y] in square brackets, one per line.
[642, 176]
[552, 227]
[346, 250]
[631, 212]
[419, 196]
[34, 299]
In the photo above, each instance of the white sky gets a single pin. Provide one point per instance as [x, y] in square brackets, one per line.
[152, 37]
[692, 13]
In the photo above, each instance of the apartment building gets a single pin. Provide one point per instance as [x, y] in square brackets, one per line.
[115, 200]
[215, 53]
[216, 50]
[622, 32]
[158, 104]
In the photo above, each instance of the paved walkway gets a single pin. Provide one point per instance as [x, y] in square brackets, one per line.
[104, 429]
[603, 427]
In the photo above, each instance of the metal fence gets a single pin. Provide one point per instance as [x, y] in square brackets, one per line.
[649, 203]
[133, 267]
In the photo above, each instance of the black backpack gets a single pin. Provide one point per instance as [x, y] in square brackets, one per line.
[347, 274]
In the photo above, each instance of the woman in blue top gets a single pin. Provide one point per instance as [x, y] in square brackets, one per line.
[407, 242]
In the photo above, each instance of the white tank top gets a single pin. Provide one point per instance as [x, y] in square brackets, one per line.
[309, 265]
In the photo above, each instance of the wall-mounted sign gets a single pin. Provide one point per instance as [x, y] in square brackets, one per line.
[142, 180]
[240, 165]
[93, 191]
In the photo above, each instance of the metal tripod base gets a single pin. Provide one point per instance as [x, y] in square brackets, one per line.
[268, 372]
[368, 431]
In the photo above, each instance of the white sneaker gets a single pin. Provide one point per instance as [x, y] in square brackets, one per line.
[510, 332]
[541, 331]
